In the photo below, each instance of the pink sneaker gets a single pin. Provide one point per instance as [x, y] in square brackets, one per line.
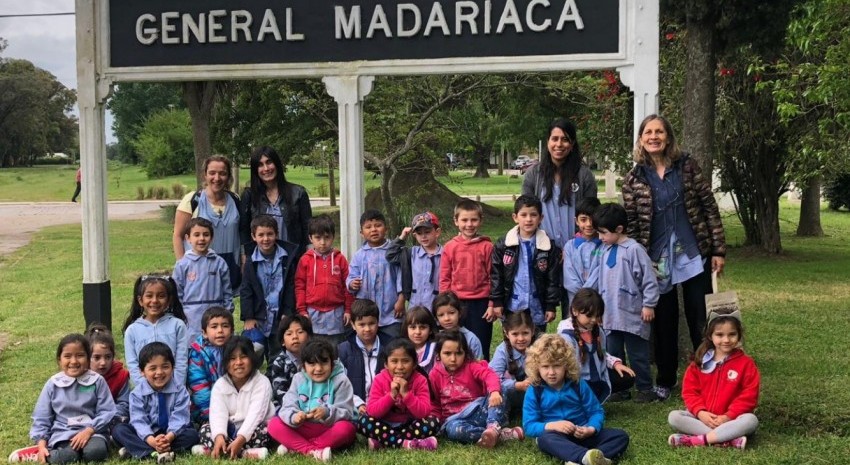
[256, 453]
[374, 444]
[27, 454]
[511, 434]
[322, 455]
[429, 443]
[489, 438]
[737, 443]
[684, 440]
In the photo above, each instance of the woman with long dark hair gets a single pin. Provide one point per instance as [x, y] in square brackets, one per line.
[271, 194]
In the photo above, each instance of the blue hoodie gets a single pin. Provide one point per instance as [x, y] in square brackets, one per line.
[168, 329]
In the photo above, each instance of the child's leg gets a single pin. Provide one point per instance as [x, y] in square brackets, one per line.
[125, 435]
[420, 429]
[619, 382]
[638, 350]
[340, 434]
[386, 434]
[260, 436]
[615, 344]
[205, 434]
[611, 441]
[476, 323]
[289, 437]
[744, 425]
[683, 422]
[97, 450]
[63, 453]
[392, 330]
[561, 446]
[466, 426]
[184, 439]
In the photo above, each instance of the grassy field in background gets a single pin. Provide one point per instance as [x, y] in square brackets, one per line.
[796, 324]
[56, 183]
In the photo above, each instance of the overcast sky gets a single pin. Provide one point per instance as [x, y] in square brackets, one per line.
[48, 42]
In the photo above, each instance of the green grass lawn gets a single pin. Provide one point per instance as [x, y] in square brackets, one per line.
[795, 313]
[56, 183]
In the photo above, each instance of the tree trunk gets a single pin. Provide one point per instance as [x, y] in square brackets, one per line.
[698, 113]
[200, 99]
[501, 164]
[482, 156]
[810, 209]
[390, 207]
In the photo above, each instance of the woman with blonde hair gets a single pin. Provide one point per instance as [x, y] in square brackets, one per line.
[561, 410]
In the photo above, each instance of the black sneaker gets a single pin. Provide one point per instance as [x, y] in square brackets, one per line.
[645, 397]
[663, 393]
[621, 396]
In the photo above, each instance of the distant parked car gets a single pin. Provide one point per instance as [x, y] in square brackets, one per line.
[521, 161]
[527, 166]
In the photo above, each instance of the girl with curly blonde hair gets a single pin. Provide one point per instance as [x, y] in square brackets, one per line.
[562, 411]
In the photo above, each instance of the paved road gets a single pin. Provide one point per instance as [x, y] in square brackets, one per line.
[19, 220]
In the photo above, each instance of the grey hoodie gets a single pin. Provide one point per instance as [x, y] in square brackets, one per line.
[335, 394]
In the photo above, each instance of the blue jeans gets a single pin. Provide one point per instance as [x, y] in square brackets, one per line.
[125, 435]
[95, 451]
[618, 342]
[612, 442]
[467, 425]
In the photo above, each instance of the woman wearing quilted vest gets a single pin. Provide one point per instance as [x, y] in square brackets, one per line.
[672, 212]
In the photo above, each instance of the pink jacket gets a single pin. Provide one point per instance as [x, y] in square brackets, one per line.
[320, 283]
[415, 405]
[465, 267]
[454, 391]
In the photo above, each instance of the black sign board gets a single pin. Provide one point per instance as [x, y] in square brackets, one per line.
[148, 33]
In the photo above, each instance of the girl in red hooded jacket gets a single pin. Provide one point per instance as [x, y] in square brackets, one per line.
[720, 389]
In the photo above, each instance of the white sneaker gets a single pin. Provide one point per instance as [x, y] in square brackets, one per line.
[165, 457]
[26, 454]
[322, 455]
[256, 453]
[282, 450]
[199, 449]
[595, 457]
[123, 453]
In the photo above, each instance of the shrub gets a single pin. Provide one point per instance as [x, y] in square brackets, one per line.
[178, 190]
[322, 190]
[140, 193]
[837, 191]
[165, 144]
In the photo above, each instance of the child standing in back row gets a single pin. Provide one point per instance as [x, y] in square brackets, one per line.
[526, 272]
[202, 277]
[420, 264]
[720, 389]
[629, 287]
[465, 270]
[372, 277]
[320, 292]
[581, 254]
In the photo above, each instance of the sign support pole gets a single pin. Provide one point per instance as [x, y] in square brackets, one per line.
[91, 95]
[349, 92]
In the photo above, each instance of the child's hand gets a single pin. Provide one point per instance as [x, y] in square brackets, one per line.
[249, 324]
[362, 410]
[707, 418]
[549, 316]
[395, 388]
[355, 284]
[621, 368]
[562, 426]
[43, 453]
[583, 432]
[492, 314]
[219, 447]
[522, 385]
[495, 399]
[402, 385]
[82, 438]
[235, 447]
[405, 232]
[647, 314]
[299, 418]
[163, 443]
[317, 414]
[720, 419]
[346, 319]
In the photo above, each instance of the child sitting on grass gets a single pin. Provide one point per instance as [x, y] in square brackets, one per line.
[562, 412]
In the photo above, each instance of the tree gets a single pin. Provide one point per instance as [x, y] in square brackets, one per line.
[35, 114]
[131, 103]
[164, 143]
[201, 98]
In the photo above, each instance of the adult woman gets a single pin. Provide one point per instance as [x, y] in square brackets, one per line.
[561, 180]
[218, 204]
[672, 212]
[271, 194]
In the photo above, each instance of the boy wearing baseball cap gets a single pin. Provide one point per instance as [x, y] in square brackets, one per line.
[420, 264]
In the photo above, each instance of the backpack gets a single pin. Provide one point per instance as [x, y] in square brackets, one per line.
[197, 196]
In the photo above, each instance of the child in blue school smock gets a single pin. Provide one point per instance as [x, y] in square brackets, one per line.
[71, 419]
[419, 265]
[581, 254]
[156, 316]
[629, 287]
[509, 359]
[202, 277]
[159, 423]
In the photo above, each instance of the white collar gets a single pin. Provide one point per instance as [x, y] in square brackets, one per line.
[86, 379]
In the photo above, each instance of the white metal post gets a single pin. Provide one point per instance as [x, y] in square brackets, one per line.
[91, 96]
[349, 92]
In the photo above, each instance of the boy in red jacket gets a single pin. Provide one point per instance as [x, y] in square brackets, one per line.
[320, 292]
[465, 270]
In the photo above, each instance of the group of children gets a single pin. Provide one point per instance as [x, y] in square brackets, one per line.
[392, 345]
